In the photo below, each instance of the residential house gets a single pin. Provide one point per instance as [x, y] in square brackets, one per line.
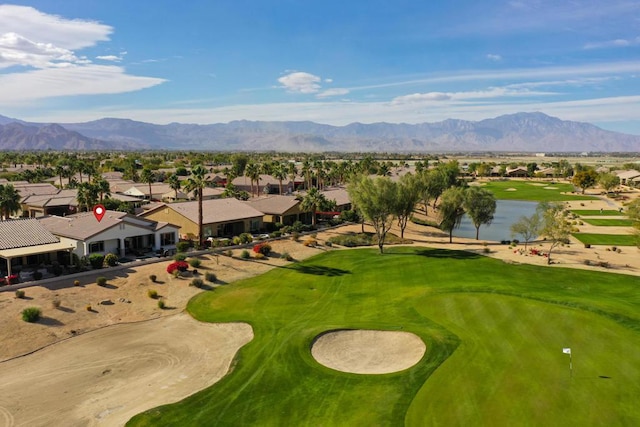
[517, 172]
[63, 203]
[267, 184]
[278, 209]
[340, 196]
[25, 242]
[627, 176]
[118, 232]
[220, 217]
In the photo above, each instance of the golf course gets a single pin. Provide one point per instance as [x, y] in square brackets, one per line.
[494, 334]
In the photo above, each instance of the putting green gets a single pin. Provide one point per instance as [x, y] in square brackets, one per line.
[510, 370]
[493, 333]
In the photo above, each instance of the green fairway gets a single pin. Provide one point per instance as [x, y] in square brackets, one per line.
[494, 331]
[607, 239]
[533, 191]
[595, 212]
[605, 222]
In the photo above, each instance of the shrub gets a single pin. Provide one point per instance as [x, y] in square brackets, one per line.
[195, 262]
[111, 260]
[161, 304]
[183, 246]
[259, 256]
[55, 303]
[56, 269]
[604, 264]
[310, 242]
[245, 238]
[245, 254]
[153, 277]
[179, 256]
[198, 283]
[211, 277]
[101, 281]
[262, 248]
[96, 260]
[614, 248]
[152, 293]
[285, 255]
[19, 293]
[31, 314]
[76, 282]
[88, 307]
[179, 266]
[587, 262]
[295, 236]
[37, 275]
[486, 250]
[587, 245]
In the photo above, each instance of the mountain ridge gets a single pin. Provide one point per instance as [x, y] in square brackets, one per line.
[517, 132]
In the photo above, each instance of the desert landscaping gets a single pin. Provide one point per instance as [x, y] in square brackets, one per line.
[124, 354]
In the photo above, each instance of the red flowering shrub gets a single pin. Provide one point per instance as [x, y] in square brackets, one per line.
[262, 248]
[177, 265]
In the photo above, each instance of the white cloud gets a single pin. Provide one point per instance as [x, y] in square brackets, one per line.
[612, 43]
[420, 97]
[332, 92]
[74, 80]
[113, 58]
[18, 50]
[494, 57]
[40, 27]
[300, 82]
[328, 80]
[45, 44]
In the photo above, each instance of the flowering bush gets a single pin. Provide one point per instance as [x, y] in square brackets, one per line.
[177, 266]
[262, 248]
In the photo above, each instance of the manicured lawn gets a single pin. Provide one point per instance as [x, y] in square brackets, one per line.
[595, 212]
[606, 239]
[608, 222]
[533, 191]
[495, 331]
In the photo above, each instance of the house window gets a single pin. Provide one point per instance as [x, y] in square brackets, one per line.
[96, 247]
[167, 239]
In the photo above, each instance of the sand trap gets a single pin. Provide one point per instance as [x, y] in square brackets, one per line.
[107, 376]
[368, 352]
[511, 189]
[537, 184]
[550, 188]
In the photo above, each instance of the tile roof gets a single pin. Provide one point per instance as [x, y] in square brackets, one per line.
[216, 210]
[18, 233]
[277, 205]
[340, 195]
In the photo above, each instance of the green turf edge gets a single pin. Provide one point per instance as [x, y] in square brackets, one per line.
[595, 212]
[607, 222]
[606, 239]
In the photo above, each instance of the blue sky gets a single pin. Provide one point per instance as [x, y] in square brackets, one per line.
[335, 62]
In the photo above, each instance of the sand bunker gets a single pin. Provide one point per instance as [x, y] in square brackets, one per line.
[550, 188]
[511, 189]
[107, 376]
[368, 352]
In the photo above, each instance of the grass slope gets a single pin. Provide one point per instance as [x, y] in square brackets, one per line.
[595, 212]
[607, 239]
[608, 222]
[496, 339]
[533, 191]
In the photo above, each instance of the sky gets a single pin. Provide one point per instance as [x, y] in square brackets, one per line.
[333, 62]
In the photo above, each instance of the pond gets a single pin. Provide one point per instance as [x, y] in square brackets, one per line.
[507, 213]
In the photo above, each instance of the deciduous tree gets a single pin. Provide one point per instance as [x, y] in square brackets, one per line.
[451, 210]
[480, 205]
[375, 199]
[555, 227]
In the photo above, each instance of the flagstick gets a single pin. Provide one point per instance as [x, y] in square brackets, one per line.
[570, 365]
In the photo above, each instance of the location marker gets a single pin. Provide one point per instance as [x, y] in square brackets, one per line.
[98, 212]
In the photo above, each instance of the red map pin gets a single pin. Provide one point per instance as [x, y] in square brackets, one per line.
[98, 212]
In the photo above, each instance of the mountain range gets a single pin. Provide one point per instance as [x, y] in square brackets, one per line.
[520, 132]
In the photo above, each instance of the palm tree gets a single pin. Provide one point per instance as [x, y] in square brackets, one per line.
[252, 172]
[102, 187]
[279, 173]
[9, 201]
[312, 202]
[292, 172]
[196, 182]
[147, 176]
[306, 171]
[87, 195]
[174, 184]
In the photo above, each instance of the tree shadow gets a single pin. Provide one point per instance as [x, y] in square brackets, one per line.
[445, 253]
[66, 309]
[50, 321]
[109, 286]
[318, 270]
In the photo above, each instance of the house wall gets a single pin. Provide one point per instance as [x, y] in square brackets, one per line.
[166, 214]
